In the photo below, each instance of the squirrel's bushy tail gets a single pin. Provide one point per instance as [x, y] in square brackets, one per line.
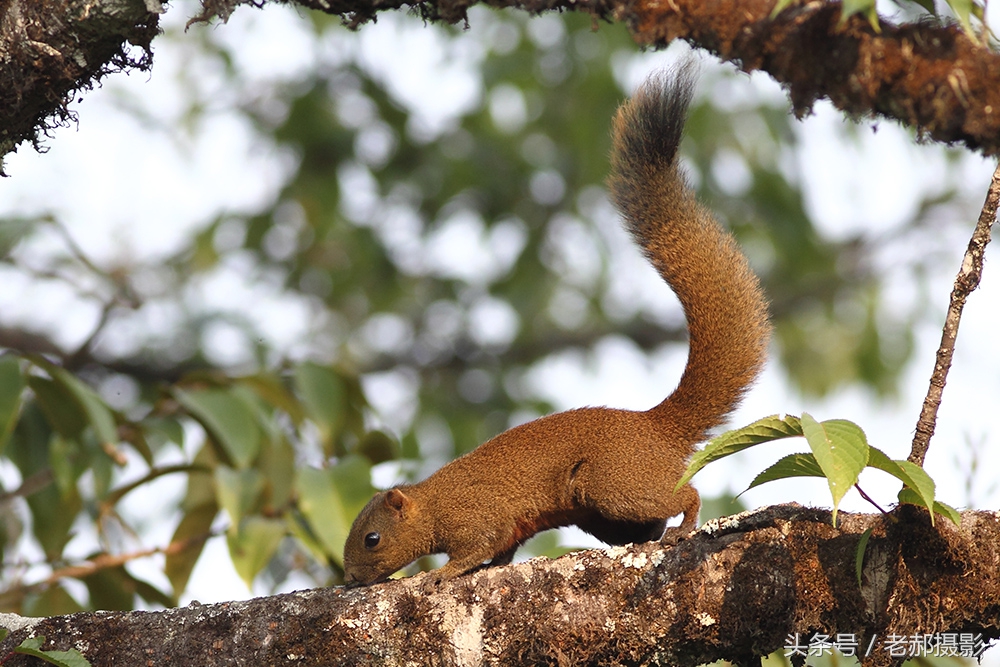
[725, 309]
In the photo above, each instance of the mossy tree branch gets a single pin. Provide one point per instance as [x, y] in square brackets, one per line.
[736, 589]
[932, 78]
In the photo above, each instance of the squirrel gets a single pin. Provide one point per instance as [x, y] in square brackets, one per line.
[611, 472]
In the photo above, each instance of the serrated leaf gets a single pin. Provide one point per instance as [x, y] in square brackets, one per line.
[948, 512]
[330, 499]
[253, 545]
[11, 390]
[915, 478]
[228, 418]
[731, 442]
[237, 491]
[325, 398]
[859, 555]
[793, 465]
[841, 449]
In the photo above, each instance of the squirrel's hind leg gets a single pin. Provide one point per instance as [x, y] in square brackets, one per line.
[690, 503]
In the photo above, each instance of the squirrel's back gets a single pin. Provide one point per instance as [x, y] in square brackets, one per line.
[725, 309]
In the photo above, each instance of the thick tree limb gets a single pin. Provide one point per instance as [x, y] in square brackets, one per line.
[736, 589]
[49, 49]
[932, 78]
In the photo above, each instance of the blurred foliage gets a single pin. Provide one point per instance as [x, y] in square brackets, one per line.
[436, 266]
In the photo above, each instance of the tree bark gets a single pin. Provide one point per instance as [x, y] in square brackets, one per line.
[933, 78]
[734, 590]
[51, 49]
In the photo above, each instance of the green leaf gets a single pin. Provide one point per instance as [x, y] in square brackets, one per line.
[325, 397]
[841, 449]
[11, 389]
[199, 509]
[61, 411]
[195, 524]
[731, 442]
[948, 512]
[779, 6]
[12, 230]
[915, 479]
[378, 447]
[793, 465]
[867, 7]
[97, 413]
[330, 499]
[111, 589]
[277, 462]
[71, 658]
[926, 4]
[54, 601]
[272, 391]
[228, 418]
[253, 545]
[238, 491]
[859, 555]
[963, 11]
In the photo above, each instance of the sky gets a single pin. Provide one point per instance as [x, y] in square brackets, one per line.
[130, 185]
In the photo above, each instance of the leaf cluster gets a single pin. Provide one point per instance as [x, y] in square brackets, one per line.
[839, 451]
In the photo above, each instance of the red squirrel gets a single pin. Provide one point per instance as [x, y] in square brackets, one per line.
[611, 472]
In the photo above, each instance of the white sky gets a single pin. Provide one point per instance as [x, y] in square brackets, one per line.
[127, 188]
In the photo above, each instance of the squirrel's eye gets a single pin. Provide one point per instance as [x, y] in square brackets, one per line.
[372, 540]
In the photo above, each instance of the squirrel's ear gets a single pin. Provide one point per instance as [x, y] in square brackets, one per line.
[397, 500]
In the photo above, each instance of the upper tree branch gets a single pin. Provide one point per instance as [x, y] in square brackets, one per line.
[929, 77]
[49, 49]
[735, 589]
[932, 78]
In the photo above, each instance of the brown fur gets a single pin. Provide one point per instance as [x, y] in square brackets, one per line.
[610, 472]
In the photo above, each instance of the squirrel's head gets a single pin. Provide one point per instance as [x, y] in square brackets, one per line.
[385, 537]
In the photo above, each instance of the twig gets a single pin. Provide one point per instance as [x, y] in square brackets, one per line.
[868, 498]
[32, 484]
[966, 281]
[103, 562]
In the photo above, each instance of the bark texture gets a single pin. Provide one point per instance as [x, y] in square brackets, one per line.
[930, 77]
[734, 590]
[51, 49]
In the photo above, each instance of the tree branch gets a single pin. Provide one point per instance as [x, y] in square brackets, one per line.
[966, 281]
[49, 49]
[735, 589]
[932, 78]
